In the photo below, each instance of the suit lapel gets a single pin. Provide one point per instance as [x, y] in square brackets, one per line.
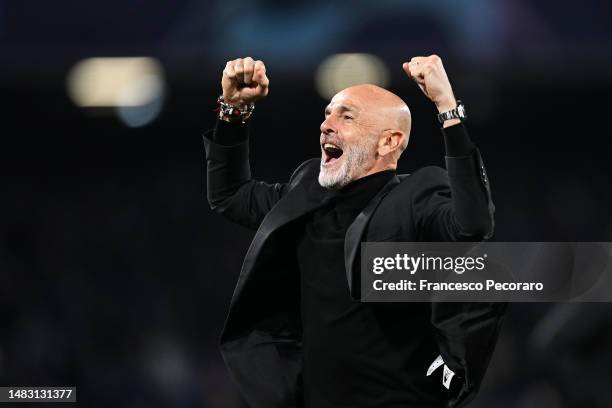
[302, 199]
[354, 234]
[299, 201]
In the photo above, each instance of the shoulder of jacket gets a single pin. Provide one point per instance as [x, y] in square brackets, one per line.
[423, 178]
[424, 174]
[429, 171]
[308, 169]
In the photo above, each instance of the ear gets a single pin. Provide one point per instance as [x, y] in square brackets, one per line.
[390, 141]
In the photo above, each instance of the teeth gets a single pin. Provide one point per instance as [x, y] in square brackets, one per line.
[329, 146]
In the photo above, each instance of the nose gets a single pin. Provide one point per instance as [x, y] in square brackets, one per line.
[326, 126]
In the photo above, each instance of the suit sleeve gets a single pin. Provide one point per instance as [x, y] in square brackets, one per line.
[230, 189]
[466, 334]
[454, 205]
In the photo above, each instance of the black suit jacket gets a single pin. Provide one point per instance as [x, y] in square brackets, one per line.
[261, 339]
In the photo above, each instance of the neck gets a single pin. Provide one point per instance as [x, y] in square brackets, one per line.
[376, 168]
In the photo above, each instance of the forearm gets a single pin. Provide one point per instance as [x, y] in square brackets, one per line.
[471, 196]
[227, 161]
[231, 191]
[230, 133]
[457, 141]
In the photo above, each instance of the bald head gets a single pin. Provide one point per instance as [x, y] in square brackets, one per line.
[388, 108]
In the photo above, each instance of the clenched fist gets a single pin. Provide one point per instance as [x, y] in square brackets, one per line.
[244, 81]
[429, 74]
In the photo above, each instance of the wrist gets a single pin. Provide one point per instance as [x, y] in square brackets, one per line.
[234, 112]
[446, 104]
[451, 114]
[450, 122]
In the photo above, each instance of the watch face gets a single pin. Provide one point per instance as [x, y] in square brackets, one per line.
[461, 111]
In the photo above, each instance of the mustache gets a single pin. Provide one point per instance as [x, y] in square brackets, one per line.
[332, 140]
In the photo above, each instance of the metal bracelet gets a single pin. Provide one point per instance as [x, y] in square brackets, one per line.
[232, 113]
[457, 113]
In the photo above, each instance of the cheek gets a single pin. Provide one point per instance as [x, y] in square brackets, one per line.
[350, 137]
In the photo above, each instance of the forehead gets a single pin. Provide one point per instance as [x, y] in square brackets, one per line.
[346, 101]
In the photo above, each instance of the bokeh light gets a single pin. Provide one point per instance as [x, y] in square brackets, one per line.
[340, 71]
[133, 86]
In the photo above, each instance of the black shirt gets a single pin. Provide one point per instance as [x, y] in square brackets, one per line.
[354, 355]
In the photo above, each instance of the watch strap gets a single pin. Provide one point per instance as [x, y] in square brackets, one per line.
[457, 113]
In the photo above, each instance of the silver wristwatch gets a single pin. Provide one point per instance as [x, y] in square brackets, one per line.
[457, 113]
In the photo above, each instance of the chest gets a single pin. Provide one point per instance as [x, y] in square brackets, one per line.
[392, 221]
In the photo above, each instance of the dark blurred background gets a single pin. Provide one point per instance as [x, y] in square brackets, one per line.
[115, 276]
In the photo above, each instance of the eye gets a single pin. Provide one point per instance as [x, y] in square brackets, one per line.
[348, 117]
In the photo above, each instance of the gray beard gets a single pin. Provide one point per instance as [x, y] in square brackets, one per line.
[354, 159]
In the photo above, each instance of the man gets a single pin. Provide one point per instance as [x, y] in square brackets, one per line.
[296, 334]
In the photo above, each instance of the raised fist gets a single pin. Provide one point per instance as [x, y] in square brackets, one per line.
[430, 76]
[244, 81]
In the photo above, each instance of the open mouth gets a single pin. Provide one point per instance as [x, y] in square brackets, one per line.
[331, 153]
